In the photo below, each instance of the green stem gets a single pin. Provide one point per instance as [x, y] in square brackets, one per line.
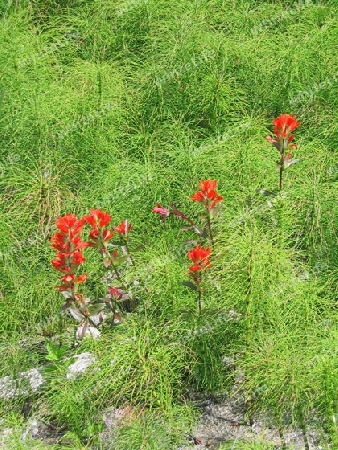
[209, 229]
[129, 254]
[281, 162]
[124, 287]
[199, 298]
[248, 317]
[249, 293]
[118, 276]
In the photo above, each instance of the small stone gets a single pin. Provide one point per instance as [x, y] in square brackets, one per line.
[11, 387]
[84, 360]
[32, 429]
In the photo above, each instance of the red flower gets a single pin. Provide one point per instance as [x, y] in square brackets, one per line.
[78, 258]
[163, 212]
[208, 185]
[69, 246]
[61, 263]
[69, 223]
[68, 278]
[284, 125]
[123, 228]
[60, 242]
[207, 194]
[198, 196]
[94, 234]
[69, 281]
[97, 218]
[81, 278]
[107, 235]
[78, 243]
[200, 257]
[115, 292]
[64, 287]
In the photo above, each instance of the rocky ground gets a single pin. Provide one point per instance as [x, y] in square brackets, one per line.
[222, 419]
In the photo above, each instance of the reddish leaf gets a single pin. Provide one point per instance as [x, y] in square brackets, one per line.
[118, 318]
[106, 262]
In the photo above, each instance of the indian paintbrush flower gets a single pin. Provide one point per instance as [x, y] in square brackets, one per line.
[99, 235]
[163, 212]
[124, 228]
[284, 125]
[116, 292]
[200, 257]
[209, 197]
[69, 245]
[97, 218]
[201, 260]
[207, 194]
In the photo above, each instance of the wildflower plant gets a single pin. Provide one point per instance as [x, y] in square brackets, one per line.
[209, 197]
[284, 125]
[199, 255]
[200, 258]
[69, 245]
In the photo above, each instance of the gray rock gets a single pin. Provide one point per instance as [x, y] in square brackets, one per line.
[25, 384]
[29, 382]
[32, 429]
[84, 360]
[223, 420]
[113, 418]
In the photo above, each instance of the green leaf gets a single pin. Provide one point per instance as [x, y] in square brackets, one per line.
[55, 352]
[190, 285]
[292, 161]
[96, 308]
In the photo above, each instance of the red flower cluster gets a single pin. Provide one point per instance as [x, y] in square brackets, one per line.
[284, 125]
[123, 228]
[99, 234]
[207, 194]
[115, 292]
[200, 257]
[67, 241]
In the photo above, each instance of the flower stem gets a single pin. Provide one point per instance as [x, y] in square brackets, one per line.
[118, 276]
[199, 295]
[209, 229]
[129, 254]
[248, 323]
[124, 287]
[281, 167]
[283, 147]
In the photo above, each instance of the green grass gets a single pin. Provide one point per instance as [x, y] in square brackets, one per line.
[119, 105]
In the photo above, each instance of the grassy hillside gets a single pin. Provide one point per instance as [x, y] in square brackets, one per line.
[121, 104]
